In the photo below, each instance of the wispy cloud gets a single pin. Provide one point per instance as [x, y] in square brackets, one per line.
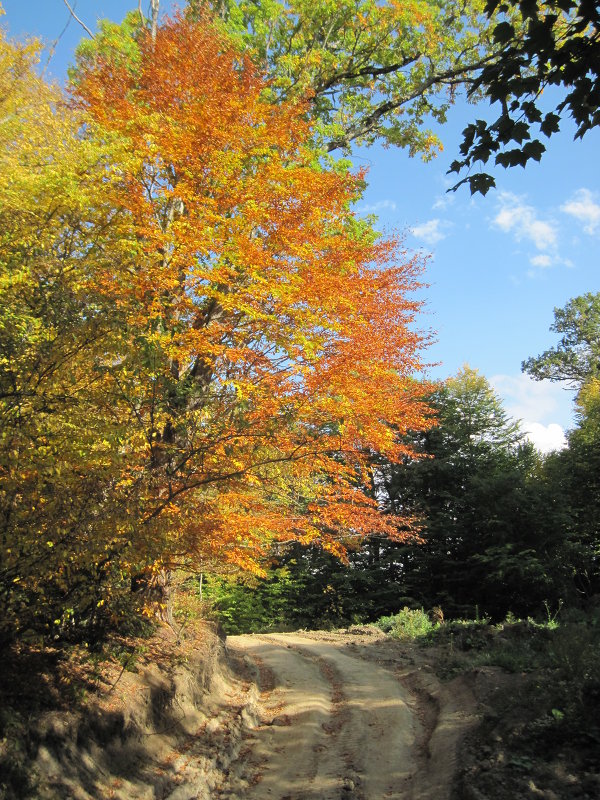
[444, 201]
[543, 260]
[377, 208]
[585, 209]
[431, 231]
[524, 223]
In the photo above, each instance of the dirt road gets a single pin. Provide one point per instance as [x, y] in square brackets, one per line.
[343, 718]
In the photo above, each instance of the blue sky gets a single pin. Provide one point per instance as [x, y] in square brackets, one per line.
[498, 265]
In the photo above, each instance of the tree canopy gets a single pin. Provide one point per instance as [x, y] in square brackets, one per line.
[372, 70]
[576, 358]
[384, 71]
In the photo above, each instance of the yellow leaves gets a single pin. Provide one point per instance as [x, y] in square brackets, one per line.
[589, 394]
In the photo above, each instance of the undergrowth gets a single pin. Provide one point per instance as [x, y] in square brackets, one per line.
[546, 724]
[409, 624]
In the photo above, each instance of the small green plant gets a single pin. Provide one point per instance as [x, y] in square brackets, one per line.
[386, 624]
[407, 624]
[521, 762]
[551, 616]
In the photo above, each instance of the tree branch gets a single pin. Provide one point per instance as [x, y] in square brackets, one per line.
[76, 18]
[370, 122]
[372, 72]
[154, 4]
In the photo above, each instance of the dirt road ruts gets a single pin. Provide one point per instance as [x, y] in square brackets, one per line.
[337, 722]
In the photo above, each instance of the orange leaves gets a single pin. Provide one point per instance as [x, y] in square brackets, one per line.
[267, 340]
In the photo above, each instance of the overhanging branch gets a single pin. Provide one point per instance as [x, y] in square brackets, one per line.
[76, 18]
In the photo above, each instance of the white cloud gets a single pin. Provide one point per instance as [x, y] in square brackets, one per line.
[377, 208]
[527, 399]
[431, 231]
[522, 220]
[538, 405]
[542, 260]
[583, 207]
[545, 438]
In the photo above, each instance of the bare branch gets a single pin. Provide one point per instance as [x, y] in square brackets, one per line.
[154, 4]
[76, 18]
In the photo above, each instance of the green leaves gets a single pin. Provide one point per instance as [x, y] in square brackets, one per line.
[576, 358]
[372, 70]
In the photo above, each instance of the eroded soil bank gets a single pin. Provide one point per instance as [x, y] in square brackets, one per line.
[162, 725]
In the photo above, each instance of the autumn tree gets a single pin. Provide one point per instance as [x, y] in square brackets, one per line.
[255, 335]
[200, 341]
[59, 432]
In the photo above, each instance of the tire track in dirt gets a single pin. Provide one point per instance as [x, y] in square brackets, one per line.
[284, 748]
[333, 725]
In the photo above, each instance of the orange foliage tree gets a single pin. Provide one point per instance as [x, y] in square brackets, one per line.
[265, 332]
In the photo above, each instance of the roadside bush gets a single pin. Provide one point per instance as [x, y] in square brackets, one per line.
[407, 624]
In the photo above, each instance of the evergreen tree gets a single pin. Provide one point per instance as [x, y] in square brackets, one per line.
[489, 539]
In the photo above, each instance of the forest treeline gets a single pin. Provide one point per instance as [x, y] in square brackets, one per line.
[208, 359]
